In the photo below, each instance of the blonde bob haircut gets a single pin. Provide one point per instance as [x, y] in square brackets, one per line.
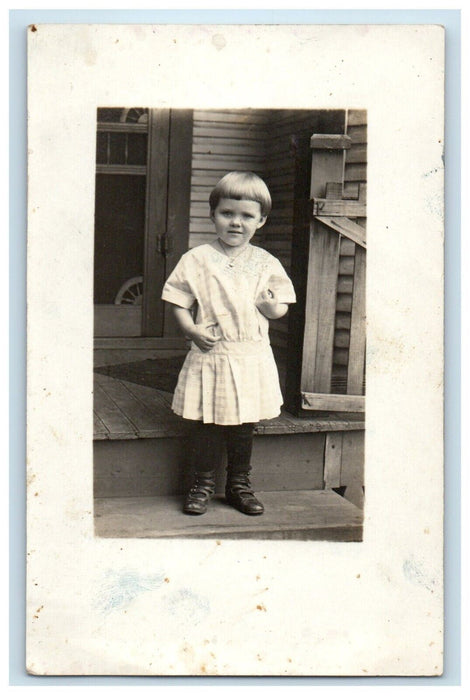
[241, 185]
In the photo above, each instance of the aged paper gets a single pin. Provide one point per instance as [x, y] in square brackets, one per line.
[180, 607]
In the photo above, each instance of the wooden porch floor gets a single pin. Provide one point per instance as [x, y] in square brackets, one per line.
[125, 411]
[296, 515]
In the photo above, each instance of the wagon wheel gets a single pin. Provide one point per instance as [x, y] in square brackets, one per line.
[131, 292]
[134, 115]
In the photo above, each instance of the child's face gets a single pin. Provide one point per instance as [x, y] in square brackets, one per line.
[237, 220]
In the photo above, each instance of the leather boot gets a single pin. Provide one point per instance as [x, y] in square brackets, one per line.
[200, 493]
[239, 494]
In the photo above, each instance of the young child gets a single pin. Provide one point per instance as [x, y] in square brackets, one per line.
[229, 380]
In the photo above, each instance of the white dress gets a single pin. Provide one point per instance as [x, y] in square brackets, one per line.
[237, 380]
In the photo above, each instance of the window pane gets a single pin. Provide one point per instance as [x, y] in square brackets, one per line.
[137, 149]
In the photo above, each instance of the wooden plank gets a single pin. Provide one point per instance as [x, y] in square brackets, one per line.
[344, 302]
[346, 265]
[332, 402]
[105, 169]
[99, 428]
[111, 415]
[357, 154]
[197, 238]
[320, 309]
[247, 116]
[347, 247]
[326, 165]
[356, 117]
[122, 127]
[333, 454]
[296, 120]
[340, 356]
[334, 190]
[342, 320]
[153, 403]
[209, 146]
[136, 413]
[357, 347]
[199, 210]
[227, 131]
[228, 162]
[342, 341]
[355, 172]
[352, 468]
[338, 207]
[297, 515]
[330, 142]
[346, 228]
[179, 197]
[358, 134]
[345, 284]
[155, 220]
[351, 190]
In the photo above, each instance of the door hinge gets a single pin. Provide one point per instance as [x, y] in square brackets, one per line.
[164, 244]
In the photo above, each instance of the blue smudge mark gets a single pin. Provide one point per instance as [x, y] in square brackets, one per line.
[123, 586]
[188, 606]
[413, 571]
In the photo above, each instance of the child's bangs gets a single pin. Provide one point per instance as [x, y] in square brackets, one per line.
[243, 186]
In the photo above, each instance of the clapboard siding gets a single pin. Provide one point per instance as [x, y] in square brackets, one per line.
[223, 140]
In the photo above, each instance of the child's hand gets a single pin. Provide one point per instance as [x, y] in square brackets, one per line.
[269, 305]
[205, 336]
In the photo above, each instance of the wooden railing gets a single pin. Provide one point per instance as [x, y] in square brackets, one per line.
[320, 315]
[331, 375]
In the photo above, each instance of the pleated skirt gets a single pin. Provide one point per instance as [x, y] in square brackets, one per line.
[234, 383]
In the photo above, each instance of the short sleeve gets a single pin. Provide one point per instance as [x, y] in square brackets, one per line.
[177, 289]
[280, 284]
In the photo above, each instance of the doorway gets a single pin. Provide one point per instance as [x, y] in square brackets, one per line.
[143, 161]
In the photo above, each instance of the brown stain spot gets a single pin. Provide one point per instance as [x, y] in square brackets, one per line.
[289, 660]
[206, 641]
[261, 607]
[212, 654]
[40, 608]
[364, 670]
[167, 580]
[33, 28]
[358, 576]
[36, 494]
[218, 542]
[258, 578]
[203, 668]
[426, 531]
[431, 644]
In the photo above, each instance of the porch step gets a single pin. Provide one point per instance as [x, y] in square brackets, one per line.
[295, 515]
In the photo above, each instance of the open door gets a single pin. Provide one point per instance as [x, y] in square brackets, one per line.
[143, 159]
